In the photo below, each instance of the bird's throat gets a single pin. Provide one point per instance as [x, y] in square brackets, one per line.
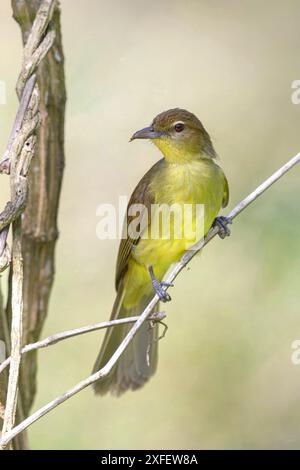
[175, 153]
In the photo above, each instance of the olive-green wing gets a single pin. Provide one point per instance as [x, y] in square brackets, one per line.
[226, 193]
[141, 195]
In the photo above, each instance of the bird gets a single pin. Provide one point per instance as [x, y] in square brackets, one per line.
[187, 173]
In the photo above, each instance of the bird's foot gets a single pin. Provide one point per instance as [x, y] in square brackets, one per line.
[222, 222]
[159, 287]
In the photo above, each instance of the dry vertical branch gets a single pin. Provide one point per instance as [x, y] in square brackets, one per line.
[19, 154]
[16, 162]
[39, 224]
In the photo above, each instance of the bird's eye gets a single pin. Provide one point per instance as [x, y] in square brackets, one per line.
[179, 127]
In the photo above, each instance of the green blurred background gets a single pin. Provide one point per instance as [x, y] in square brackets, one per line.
[225, 376]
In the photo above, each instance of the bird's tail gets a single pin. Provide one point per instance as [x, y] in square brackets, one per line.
[138, 362]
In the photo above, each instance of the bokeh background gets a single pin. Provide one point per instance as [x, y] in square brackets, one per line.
[225, 377]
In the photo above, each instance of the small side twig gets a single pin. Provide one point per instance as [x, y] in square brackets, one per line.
[56, 338]
[147, 312]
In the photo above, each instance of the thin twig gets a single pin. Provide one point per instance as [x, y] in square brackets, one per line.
[4, 340]
[238, 209]
[16, 330]
[147, 312]
[56, 338]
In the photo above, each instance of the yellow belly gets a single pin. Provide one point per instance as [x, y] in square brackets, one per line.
[181, 186]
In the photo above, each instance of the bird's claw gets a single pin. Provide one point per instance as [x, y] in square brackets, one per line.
[222, 222]
[159, 287]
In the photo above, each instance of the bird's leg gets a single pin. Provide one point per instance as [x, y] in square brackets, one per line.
[222, 222]
[159, 286]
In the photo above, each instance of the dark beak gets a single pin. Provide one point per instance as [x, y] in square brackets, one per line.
[146, 133]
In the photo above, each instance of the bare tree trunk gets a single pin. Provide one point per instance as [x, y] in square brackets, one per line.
[39, 223]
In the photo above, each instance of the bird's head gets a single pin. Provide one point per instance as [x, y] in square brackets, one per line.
[179, 135]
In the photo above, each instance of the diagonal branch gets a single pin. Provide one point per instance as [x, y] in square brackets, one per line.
[147, 312]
